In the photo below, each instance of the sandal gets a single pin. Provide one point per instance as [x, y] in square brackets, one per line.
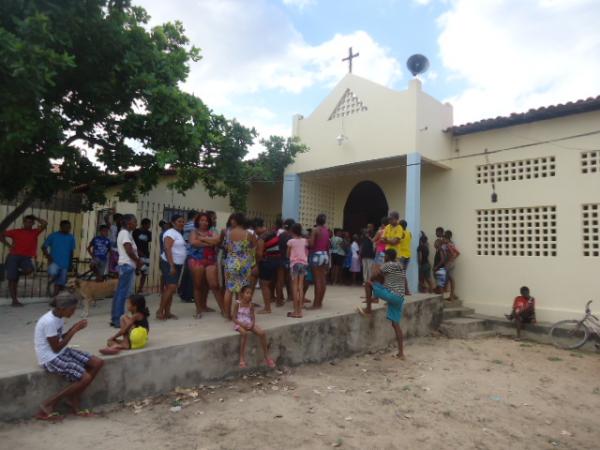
[294, 315]
[85, 413]
[270, 363]
[52, 417]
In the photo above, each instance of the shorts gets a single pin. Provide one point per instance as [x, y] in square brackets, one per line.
[15, 264]
[318, 259]
[299, 269]
[526, 316]
[138, 338]
[100, 265]
[379, 258]
[338, 260]
[57, 274]
[145, 269]
[165, 270]
[425, 270]
[404, 262]
[395, 302]
[267, 269]
[70, 364]
[194, 262]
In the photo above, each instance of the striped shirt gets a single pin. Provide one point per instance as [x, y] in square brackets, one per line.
[394, 276]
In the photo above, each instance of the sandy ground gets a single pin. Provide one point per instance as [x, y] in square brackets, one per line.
[449, 394]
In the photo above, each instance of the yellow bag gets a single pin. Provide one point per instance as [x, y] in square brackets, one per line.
[138, 337]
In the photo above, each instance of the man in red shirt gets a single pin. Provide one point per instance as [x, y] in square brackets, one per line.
[23, 248]
[523, 310]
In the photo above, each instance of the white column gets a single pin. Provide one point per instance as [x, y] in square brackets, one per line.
[413, 215]
[290, 208]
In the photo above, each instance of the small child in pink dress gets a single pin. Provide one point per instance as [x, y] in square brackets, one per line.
[245, 322]
[298, 255]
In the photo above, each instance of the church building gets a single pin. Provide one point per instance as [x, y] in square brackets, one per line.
[521, 193]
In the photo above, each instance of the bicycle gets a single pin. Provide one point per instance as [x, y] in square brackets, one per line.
[572, 334]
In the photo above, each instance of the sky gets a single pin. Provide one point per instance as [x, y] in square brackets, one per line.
[266, 60]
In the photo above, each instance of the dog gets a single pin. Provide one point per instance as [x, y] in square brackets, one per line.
[89, 291]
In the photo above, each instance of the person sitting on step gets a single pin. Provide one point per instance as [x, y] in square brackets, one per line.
[523, 310]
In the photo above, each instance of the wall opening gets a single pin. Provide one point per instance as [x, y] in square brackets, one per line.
[366, 203]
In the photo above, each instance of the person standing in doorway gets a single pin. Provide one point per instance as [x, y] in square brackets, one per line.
[128, 262]
[367, 255]
[23, 248]
[319, 244]
[172, 260]
[143, 238]
[60, 256]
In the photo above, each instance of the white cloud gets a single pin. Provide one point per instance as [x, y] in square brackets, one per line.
[251, 46]
[422, 2]
[300, 4]
[515, 55]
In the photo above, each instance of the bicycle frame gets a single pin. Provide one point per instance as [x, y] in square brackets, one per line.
[590, 320]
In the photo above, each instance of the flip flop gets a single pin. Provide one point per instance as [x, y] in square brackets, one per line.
[243, 364]
[85, 413]
[270, 363]
[52, 417]
[362, 312]
[294, 316]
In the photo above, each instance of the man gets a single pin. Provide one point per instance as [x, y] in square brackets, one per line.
[129, 261]
[367, 255]
[391, 291]
[99, 249]
[23, 248]
[62, 245]
[53, 354]
[186, 285]
[143, 238]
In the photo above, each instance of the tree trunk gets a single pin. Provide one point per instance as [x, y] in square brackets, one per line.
[15, 213]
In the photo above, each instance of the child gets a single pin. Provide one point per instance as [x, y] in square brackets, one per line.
[80, 368]
[392, 291]
[134, 329]
[297, 253]
[245, 322]
[523, 310]
[355, 266]
[98, 249]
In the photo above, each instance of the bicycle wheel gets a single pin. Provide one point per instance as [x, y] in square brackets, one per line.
[569, 334]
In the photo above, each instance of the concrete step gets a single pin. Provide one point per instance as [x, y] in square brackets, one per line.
[453, 304]
[460, 327]
[482, 334]
[457, 311]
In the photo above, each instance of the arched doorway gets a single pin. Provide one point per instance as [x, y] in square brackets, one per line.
[365, 204]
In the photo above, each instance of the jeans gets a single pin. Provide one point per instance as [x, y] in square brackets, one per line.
[124, 290]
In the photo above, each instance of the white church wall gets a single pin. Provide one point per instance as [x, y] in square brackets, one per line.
[562, 283]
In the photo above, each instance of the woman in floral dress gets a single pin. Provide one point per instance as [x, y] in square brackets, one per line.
[240, 246]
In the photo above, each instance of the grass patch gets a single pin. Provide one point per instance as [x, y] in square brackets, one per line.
[525, 344]
[576, 355]
[497, 361]
[554, 358]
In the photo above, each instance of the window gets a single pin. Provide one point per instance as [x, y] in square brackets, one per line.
[529, 231]
[525, 169]
[349, 104]
[590, 162]
[590, 214]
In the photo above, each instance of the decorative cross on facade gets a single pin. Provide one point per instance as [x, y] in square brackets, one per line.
[350, 58]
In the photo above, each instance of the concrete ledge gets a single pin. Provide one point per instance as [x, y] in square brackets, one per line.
[133, 375]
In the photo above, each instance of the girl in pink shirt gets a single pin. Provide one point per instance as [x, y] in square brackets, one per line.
[298, 255]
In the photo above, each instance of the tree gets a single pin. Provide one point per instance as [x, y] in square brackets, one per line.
[89, 93]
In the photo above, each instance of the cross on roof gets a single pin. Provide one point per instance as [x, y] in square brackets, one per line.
[349, 58]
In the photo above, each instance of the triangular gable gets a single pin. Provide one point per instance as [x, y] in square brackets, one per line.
[348, 105]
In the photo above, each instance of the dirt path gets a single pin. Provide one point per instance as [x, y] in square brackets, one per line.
[484, 394]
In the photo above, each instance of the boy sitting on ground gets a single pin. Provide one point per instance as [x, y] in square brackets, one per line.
[392, 291]
[523, 310]
[80, 368]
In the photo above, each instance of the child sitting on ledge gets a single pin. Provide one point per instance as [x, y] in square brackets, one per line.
[133, 333]
[523, 310]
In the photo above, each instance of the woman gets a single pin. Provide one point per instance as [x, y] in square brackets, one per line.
[319, 259]
[380, 244]
[425, 280]
[240, 246]
[171, 262]
[202, 262]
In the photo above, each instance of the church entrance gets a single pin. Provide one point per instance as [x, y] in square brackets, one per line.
[365, 204]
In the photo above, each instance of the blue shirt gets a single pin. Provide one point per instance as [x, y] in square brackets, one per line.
[61, 248]
[101, 246]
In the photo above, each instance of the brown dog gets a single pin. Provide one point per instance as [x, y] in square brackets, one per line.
[90, 291]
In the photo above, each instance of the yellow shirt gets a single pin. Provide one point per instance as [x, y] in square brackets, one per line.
[392, 233]
[405, 245]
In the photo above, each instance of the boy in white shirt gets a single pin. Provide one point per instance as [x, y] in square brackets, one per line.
[53, 355]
